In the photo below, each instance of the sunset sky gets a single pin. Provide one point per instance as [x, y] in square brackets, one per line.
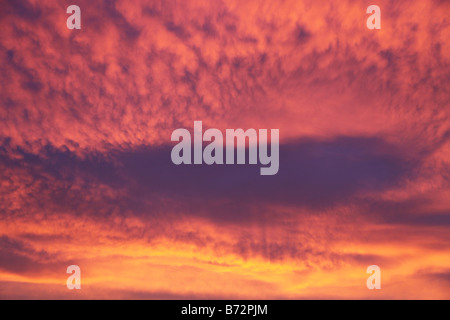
[86, 178]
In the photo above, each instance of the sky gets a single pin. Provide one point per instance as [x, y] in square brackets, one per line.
[86, 178]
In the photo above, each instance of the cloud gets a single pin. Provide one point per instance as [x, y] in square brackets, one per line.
[85, 172]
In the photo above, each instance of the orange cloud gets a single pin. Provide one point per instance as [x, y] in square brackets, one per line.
[85, 172]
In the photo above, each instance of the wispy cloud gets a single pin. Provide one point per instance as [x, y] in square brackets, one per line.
[85, 171]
